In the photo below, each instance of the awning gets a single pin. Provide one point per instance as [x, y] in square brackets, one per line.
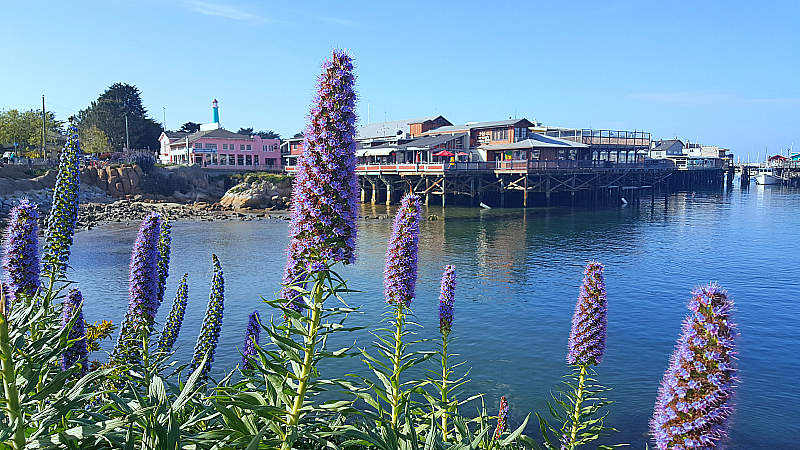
[444, 153]
[379, 151]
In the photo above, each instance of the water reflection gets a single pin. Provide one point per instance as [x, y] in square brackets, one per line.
[519, 273]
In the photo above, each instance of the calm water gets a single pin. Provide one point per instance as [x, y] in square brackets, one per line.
[518, 278]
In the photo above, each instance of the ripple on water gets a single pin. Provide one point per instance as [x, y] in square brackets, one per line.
[518, 279]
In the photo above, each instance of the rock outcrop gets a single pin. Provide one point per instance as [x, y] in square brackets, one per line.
[258, 194]
[117, 181]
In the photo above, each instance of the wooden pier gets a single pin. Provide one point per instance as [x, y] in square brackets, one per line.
[529, 183]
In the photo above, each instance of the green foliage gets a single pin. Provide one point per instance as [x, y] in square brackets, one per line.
[108, 114]
[143, 410]
[259, 176]
[190, 127]
[25, 128]
[273, 402]
[391, 395]
[444, 404]
[94, 140]
[268, 134]
[579, 403]
[38, 396]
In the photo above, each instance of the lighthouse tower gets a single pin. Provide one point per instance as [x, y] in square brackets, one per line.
[214, 125]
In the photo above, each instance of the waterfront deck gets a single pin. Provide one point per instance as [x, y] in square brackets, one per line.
[526, 183]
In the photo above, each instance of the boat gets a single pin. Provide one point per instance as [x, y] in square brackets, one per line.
[765, 176]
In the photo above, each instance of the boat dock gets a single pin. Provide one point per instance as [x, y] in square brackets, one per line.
[788, 172]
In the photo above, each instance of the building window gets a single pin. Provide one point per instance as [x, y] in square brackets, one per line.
[520, 134]
[224, 146]
[198, 145]
[500, 134]
[240, 159]
[264, 148]
[211, 146]
[248, 160]
[223, 159]
[241, 147]
[255, 160]
[249, 148]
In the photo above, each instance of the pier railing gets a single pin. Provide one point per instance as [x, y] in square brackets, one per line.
[511, 166]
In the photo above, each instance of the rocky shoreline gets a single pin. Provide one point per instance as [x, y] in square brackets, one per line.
[124, 211]
[253, 199]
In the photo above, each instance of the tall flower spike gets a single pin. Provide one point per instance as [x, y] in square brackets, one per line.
[21, 252]
[325, 194]
[251, 339]
[77, 352]
[172, 327]
[587, 341]
[64, 210]
[164, 242]
[694, 401]
[212, 322]
[502, 418]
[446, 296]
[400, 273]
[142, 291]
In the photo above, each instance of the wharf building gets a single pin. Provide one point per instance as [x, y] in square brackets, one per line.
[514, 162]
[214, 147]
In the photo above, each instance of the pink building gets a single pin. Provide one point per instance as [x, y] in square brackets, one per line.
[216, 148]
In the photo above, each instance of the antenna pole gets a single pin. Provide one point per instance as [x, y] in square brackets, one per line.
[44, 129]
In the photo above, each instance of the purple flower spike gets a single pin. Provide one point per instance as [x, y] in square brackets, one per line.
[77, 352]
[694, 401]
[21, 252]
[142, 291]
[502, 418]
[172, 327]
[587, 341]
[325, 194]
[251, 339]
[400, 274]
[446, 296]
[212, 322]
[64, 210]
[164, 242]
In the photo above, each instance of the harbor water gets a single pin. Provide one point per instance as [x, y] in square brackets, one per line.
[519, 272]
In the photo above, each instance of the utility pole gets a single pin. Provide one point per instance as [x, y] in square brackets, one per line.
[44, 129]
[164, 123]
[127, 137]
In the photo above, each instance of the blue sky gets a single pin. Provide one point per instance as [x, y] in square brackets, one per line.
[727, 73]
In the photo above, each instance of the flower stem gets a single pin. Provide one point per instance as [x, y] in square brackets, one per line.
[9, 384]
[399, 323]
[576, 413]
[445, 387]
[308, 358]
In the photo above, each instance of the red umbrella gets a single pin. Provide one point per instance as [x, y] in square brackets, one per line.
[462, 154]
[443, 153]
